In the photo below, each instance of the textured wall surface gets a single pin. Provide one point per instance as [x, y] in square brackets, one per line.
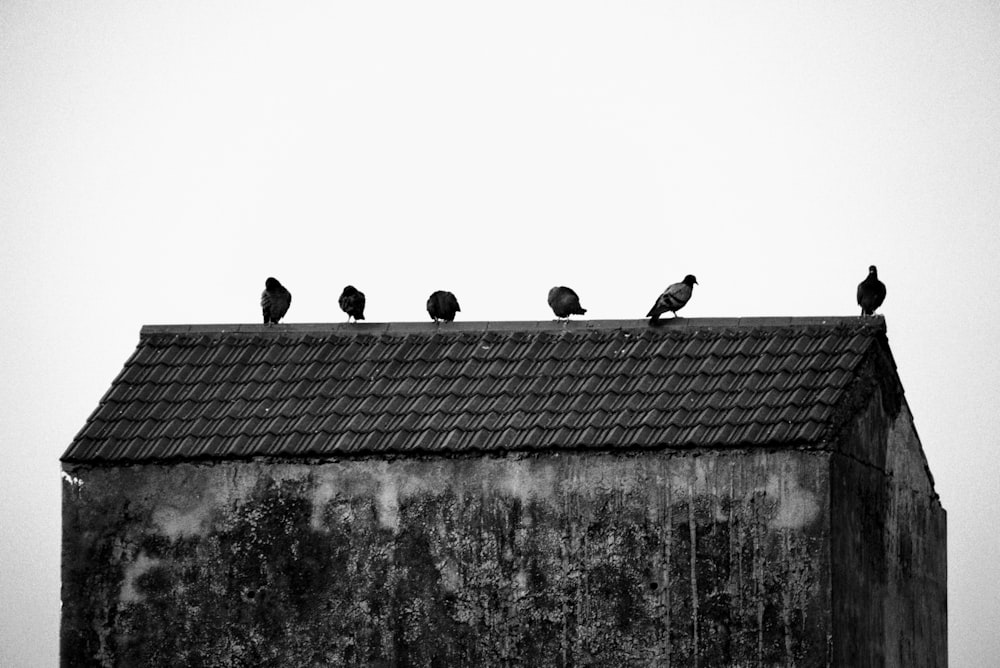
[888, 547]
[546, 560]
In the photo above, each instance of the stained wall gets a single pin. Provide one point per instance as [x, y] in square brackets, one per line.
[548, 560]
[888, 546]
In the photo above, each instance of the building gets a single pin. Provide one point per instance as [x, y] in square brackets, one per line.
[709, 492]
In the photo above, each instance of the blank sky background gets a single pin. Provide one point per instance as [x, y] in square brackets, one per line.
[159, 160]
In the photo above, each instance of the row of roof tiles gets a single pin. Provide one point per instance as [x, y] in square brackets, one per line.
[362, 422]
[321, 444]
[345, 406]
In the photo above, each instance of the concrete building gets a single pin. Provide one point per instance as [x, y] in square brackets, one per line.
[707, 492]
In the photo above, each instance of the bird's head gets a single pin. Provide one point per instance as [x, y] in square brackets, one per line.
[872, 270]
[272, 283]
[690, 280]
[350, 290]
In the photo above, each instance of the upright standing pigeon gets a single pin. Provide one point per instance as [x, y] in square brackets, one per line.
[565, 302]
[871, 292]
[673, 298]
[274, 301]
[352, 302]
[442, 305]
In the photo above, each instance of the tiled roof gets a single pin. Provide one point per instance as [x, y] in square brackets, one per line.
[242, 391]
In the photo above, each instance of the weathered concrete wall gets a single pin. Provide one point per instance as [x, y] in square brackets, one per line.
[888, 547]
[917, 604]
[554, 560]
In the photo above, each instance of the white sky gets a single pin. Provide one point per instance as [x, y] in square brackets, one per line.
[159, 160]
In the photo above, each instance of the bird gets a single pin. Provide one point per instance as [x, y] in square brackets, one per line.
[871, 292]
[673, 298]
[442, 305]
[352, 302]
[565, 302]
[274, 301]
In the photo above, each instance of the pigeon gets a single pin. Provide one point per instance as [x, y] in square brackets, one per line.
[274, 301]
[565, 302]
[673, 298]
[871, 292]
[352, 302]
[442, 305]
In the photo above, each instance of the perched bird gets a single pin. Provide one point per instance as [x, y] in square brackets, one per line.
[673, 298]
[871, 292]
[565, 302]
[274, 301]
[352, 302]
[442, 305]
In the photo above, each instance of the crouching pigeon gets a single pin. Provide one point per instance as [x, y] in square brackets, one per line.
[673, 298]
[352, 302]
[274, 301]
[871, 292]
[442, 305]
[565, 302]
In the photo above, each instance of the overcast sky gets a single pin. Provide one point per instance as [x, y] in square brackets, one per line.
[159, 160]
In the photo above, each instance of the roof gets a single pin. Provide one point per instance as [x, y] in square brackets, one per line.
[333, 390]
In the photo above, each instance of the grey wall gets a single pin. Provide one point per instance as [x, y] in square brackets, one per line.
[554, 560]
[888, 547]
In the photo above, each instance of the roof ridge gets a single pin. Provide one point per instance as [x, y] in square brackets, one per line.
[511, 326]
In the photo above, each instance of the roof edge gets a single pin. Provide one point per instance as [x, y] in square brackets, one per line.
[378, 328]
[819, 445]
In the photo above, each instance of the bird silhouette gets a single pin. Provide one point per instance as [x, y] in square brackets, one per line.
[565, 302]
[871, 292]
[442, 305]
[352, 302]
[673, 298]
[274, 301]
